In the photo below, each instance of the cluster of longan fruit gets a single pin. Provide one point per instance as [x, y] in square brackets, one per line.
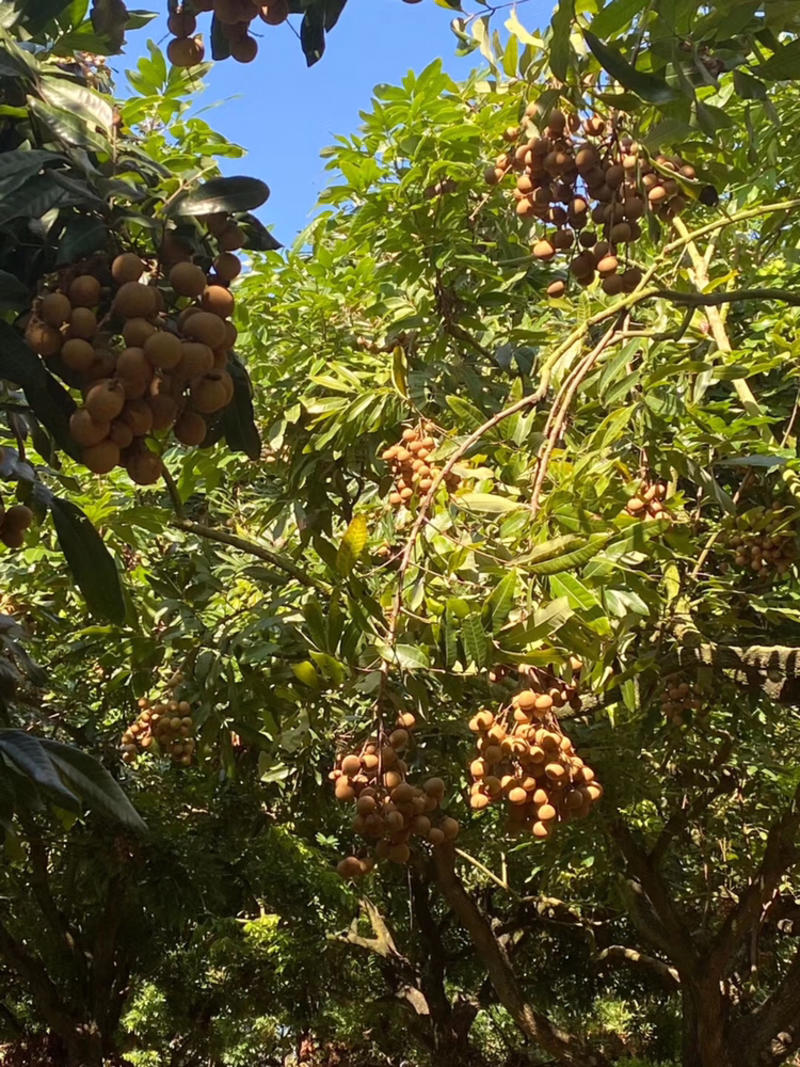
[525, 760]
[165, 726]
[677, 698]
[647, 503]
[389, 809]
[763, 543]
[14, 521]
[412, 466]
[233, 17]
[593, 186]
[148, 356]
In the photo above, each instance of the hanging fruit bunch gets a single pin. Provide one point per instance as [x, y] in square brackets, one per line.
[148, 345]
[679, 697]
[647, 503]
[594, 187]
[164, 726]
[763, 541]
[229, 29]
[413, 467]
[390, 811]
[525, 760]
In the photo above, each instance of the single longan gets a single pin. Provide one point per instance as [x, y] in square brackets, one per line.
[139, 416]
[82, 324]
[163, 350]
[190, 429]
[134, 301]
[185, 51]
[136, 331]
[77, 354]
[127, 267]
[105, 401]
[101, 458]
[55, 309]
[44, 339]
[196, 359]
[145, 468]
[85, 430]
[205, 327]
[187, 279]
[228, 266]
[231, 238]
[84, 291]
[218, 300]
[164, 410]
[244, 50]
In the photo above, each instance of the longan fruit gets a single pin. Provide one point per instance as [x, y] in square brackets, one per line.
[436, 836]
[228, 266]
[245, 49]
[206, 327]
[190, 428]
[187, 279]
[144, 468]
[77, 354]
[351, 765]
[218, 300]
[136, 331]
[607, 265]
[399, 853]
[274, 12]
[196, 359]
[85, 430]
[120, 433]
[82, 324]
[132, 363]
[540, 829]
[612, 284]
[210, 394]
[139, 416]
[105, 400]
[479, 801]
[163, 350]
[543, 249]
[434, 787]
[84, 291]
[127, 267]
[181, 23]
[350, 867]
[101, 458]
[135, 301]
[19, 517]
[185, 51]
[449, 827]
[55, 309]
[44, 339]
[164, 410]
[231, 238]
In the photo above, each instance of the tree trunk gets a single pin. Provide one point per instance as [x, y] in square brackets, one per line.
[705, 1037]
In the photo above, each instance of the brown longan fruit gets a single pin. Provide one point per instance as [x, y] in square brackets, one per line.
[101, 458]
[120, 433]
[55, 309]
[84, 291]
[105, 400]
[182, 23]
[190, 428]
[185, 51]
[164, 410]
[351, 765]
[540, 829]
[138, 415]
[187, 279]
[607, 265]
[218, 300]
[78, 355]
[630, 279]
[163, 350]
[399, 853]
[449, 827]
[85, 430]
[210, 394]
[349, 868]
[135, 301]
[82, 324]
[145, 468]
[136, 331]
[436, 836]
[127, 267]
[228, 266]
[196, 359]
[245, 49]
[132, 363]
[612, 284]
[231, 238]
[274, 12]
[206, 327]
[44, 339]
[434, 787]
[17, 518]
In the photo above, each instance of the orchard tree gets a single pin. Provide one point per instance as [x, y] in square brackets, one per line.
[499, 621]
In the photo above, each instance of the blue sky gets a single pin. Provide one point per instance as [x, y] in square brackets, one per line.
[284, 113]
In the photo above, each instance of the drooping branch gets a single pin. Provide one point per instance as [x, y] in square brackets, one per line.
[620, 954]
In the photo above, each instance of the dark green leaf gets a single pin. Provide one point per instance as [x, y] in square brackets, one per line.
[14, 295]
[614, 16]
[572, 560]
[49, 400]
[647, 86]
[238, 421]
[224, 194]
[92, 782]
[257, 237]
[312, 34]
[560, 49]
[220, 44]
[476, 644]
[89, 560]
[783, 64]
[748, 87]
[25, 751]
[333, 9]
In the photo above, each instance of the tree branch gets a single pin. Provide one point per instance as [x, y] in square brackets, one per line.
[731, 296]
[669, 976]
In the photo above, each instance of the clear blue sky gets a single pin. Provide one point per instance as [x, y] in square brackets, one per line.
[284, 113]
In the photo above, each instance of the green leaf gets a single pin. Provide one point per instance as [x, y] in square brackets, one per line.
[515, 27]
[406, 657]
[782, 64]
[560, 49]
[312, 35]
[574, 558]
[92, 782]
[353, 544]
[400, 371]
[501, 601]
[476, 644]
[614, 16]
[89, 560]
[306, 673]
[48, 399]
[223, 194]
[238, 419]
[25, 751]
[220, 42]
[582, 599]
[487, 503]
[14, 294]
[647, 86]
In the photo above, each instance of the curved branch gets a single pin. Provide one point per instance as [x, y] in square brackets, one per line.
[620, 954]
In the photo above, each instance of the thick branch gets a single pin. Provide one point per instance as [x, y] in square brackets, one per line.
[620, 954]
[780, 853]
[731, 296]
[774, 1028]
[564, 1047]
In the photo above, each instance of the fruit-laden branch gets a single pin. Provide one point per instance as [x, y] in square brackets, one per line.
[211, 533]
[566, 1048]
[620, 954]
[780, 853]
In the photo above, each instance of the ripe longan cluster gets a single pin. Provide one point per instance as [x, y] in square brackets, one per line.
[594, 187]
[14, 521]
[412, 467]
[389, 810]
[149, 356]
[677, 698]
[233, 18]
[166, 725]
[763, 543]
[648, 502]
[524, 759]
